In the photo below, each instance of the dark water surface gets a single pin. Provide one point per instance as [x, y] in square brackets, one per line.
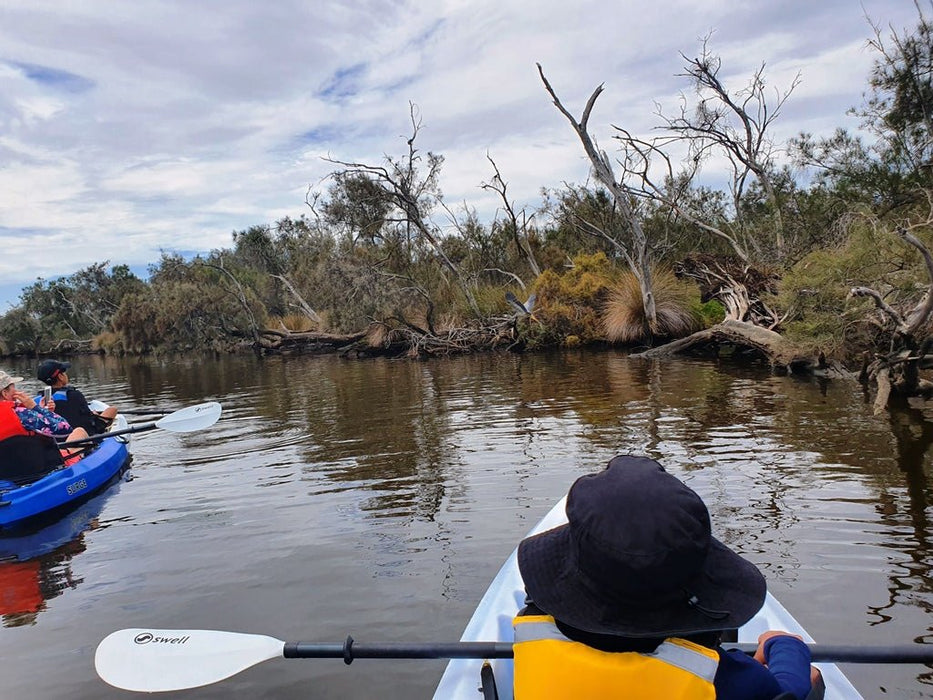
[379, 498]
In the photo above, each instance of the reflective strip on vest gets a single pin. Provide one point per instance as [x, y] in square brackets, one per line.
[549, 665]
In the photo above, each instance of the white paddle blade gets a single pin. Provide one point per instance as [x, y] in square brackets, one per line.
[153, 661]
[185, 420]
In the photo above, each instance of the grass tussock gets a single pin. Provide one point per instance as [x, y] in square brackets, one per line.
[677, 304]
[377, 335]
[295, 323]
[108, 342]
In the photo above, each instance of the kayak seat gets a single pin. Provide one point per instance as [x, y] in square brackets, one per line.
[26, 458]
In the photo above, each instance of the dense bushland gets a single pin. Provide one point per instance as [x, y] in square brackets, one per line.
[601, 261]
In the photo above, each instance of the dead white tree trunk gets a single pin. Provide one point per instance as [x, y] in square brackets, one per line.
[638, 257]
[897, 373]
[299, 300]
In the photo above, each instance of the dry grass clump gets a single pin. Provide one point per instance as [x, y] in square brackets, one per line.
[623, 315]
[108, 342]
[295, 323]
[377, 335]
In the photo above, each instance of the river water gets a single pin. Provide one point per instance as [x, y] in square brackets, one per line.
[378, 498]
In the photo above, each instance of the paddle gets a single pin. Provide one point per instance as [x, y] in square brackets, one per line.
[141, 412]
[151, 661]
[184, 420]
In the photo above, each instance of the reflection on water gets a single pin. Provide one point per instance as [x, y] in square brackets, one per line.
[379, 498]
[25, 586]
[35, 559]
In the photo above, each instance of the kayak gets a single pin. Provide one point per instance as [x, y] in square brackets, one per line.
[42, 536]
[492, 622]
[66, 486]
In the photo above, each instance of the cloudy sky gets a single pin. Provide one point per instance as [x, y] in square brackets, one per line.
[128, 128]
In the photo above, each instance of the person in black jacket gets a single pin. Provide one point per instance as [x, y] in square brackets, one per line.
[70, 403]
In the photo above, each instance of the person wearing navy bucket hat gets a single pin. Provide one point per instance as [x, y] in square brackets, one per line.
[630, 598]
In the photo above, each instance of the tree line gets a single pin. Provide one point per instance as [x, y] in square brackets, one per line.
[824, 240]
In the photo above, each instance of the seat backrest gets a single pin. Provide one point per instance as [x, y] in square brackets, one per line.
[74, 409]
[25, 458]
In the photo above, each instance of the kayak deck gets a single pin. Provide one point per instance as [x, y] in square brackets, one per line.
[492, 621]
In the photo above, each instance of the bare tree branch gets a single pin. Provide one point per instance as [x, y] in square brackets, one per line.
[519, 231]
[639, 257]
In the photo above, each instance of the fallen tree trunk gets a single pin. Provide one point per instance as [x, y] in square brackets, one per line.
[896, 373]
[783, 355]
[274, 340]
[398, 339]
[416, 342]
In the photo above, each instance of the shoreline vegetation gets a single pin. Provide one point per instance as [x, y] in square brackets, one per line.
[814, 255]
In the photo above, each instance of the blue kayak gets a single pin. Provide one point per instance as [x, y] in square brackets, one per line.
[62, 487]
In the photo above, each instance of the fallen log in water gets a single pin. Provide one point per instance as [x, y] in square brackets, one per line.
[274, 340]
[783, 355]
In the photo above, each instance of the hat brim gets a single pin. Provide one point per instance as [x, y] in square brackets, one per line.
[51, 373]
[558, 587]
[13, 380]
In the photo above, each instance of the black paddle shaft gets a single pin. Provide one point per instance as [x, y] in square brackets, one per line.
[350, 650]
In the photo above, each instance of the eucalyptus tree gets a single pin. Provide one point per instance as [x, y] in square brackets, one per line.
[888, 172]
[637, 250]
[409, 187]
[736, 125]
[657, 178]
[80, 305]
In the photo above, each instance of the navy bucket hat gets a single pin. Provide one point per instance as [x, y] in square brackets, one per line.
[637, 559]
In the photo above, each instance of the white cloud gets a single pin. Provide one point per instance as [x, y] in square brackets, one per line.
[166, 124]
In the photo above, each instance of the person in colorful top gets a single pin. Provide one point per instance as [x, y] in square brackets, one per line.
[28, 449]
[631, 597]
[70, 403]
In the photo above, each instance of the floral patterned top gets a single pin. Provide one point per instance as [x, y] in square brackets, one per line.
[42, 420]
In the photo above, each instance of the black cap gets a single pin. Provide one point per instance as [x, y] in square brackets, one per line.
[49, 369]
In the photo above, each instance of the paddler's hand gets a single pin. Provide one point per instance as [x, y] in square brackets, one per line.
[24, 399]
[49, 405]
[764, 637]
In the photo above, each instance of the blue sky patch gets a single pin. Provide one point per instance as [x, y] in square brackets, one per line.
[326, 133]
[344, 82]
[54, 77]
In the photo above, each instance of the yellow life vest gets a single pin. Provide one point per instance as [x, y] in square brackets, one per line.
[549, 666]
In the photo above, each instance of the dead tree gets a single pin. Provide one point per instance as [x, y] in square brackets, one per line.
[637, 254]
[519, 230]
[896, 374]
[782, 355]
[409, 190]
[736, 125]
[738, 286]
[299, 300]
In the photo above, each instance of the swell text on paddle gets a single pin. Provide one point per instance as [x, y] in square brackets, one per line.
[149, 638]
[76, 486]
